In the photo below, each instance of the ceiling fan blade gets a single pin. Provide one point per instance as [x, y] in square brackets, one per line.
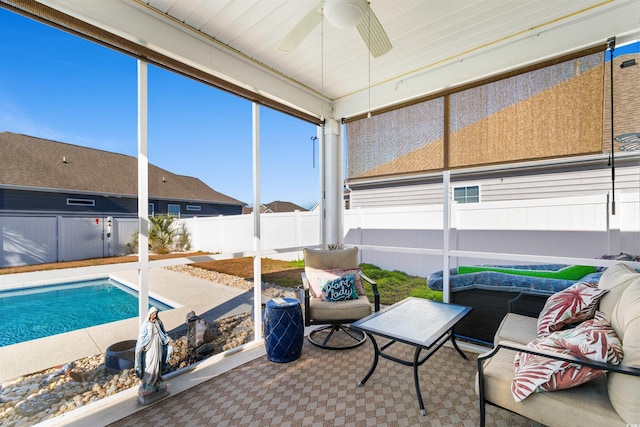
[301, 30]
[373, 36]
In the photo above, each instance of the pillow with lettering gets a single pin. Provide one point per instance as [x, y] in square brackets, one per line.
[340, 289]
[318, 277]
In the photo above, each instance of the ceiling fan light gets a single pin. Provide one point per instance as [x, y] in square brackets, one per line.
[344, 13]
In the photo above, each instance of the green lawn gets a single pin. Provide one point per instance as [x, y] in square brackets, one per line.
[394, 286]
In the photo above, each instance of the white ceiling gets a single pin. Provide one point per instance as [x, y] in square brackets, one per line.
[436, 44]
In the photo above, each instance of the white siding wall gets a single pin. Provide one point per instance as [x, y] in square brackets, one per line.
[507, 187]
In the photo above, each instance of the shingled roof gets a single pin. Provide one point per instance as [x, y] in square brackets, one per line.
[276, 207]
[49, 165]
[280, 206]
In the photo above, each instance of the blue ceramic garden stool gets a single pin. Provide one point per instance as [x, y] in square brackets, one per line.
[283, 330]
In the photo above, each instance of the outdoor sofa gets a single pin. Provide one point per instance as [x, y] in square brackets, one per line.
[489, 289]
[612, 399]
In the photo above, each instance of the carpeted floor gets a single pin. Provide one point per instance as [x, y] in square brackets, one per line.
[320, 389]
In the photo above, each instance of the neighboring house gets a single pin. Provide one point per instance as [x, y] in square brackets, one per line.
[42, 176]
[276, 207]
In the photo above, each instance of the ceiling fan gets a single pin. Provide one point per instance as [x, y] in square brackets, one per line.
[341, 14]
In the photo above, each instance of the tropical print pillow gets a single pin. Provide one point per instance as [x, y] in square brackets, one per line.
[593, 339]
[572, 305]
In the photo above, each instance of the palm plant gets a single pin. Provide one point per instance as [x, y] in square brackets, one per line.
[161, 233]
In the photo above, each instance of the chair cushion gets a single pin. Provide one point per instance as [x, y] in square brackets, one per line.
[340, 310]
[593, 339]
[331, 260]
[341, 289]
[615, 279]
[625, 319]
[572, 305]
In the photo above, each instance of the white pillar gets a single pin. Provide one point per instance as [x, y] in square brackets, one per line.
[257, 271]
[143, 192]
[332, 183]
[446, 230]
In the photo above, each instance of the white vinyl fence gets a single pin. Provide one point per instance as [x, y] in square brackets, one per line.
[579, 227]
[283, 232]
[408, 238]
[28, 240]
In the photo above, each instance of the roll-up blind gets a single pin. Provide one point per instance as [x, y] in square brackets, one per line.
[550, 112]
[552, 109]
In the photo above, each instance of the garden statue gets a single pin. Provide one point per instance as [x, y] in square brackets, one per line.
[153, 349]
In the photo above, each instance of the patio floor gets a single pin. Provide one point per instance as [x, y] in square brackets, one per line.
[320, 389]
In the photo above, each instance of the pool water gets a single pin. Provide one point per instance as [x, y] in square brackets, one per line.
[30, 313]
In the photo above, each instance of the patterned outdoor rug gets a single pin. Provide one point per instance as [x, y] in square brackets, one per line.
[320, 389]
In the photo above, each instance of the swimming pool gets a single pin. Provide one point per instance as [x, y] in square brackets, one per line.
[30, 313]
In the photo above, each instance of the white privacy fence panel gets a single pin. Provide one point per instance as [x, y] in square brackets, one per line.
[81, 236]
[418, 226]
[396, 217]
[28, 240]
[122, 239]
[571, 213]
[221, 234]
[230, 234]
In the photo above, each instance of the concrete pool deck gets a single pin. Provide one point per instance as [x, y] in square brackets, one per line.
[208, 299]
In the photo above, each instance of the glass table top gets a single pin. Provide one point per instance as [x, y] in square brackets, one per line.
[414, 320]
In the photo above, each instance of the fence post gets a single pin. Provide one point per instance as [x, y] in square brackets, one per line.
[59, 238]
[298, 229]
[221, 232]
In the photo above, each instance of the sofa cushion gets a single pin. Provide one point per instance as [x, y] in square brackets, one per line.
[615, 279]
[593, 339]
[516, 328]
[625, 319]
[573, 305]
[584, 405]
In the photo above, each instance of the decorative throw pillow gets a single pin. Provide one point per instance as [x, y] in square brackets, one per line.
[340, 289]
[317, 278]
[572, 305]
[593, 339]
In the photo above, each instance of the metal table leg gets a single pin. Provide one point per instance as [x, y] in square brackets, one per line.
[416, 363]
[375, 361]
[455, 345]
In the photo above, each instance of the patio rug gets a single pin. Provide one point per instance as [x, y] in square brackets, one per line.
[320, 389]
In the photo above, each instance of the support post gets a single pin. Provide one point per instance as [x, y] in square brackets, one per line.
[446, 230]
[257, 271]
[332, 183]
[143, 192]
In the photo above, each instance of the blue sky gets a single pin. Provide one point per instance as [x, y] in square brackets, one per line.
[60, 87]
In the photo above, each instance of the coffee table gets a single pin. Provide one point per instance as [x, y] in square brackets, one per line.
[421, 323]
